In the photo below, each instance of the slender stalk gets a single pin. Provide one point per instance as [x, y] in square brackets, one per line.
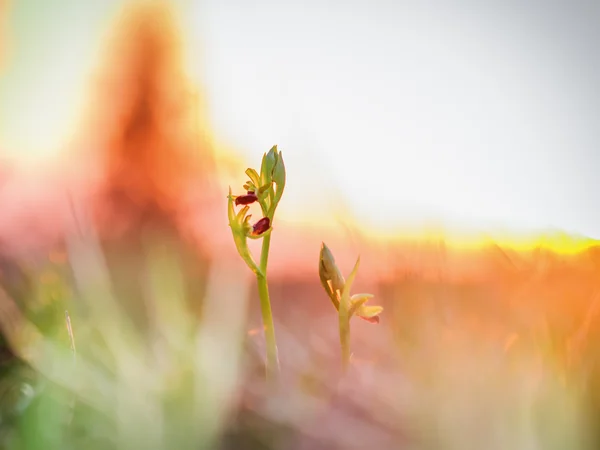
[267, 315]
[344, 323]
[71, 337]
[74, 352]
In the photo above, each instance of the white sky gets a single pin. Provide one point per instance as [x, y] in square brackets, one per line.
[472, 114]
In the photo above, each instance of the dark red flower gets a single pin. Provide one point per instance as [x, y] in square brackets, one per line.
[261, 226]
[246, 199]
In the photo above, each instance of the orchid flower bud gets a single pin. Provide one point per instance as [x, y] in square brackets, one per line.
[330, 276]
[272, 172]
[338, 289]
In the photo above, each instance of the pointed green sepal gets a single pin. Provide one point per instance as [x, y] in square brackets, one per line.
[254, 177]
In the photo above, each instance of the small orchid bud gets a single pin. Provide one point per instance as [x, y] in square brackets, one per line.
[329, 271]
[330, 276]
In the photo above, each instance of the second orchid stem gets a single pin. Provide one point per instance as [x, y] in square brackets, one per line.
[344, 323]
[267, 315]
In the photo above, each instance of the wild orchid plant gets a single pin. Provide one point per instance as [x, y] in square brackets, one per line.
[266, 189]
[338, 290]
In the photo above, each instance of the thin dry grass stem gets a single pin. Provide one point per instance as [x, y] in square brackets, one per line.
[72, 341]
[92, 279]
[71, 337]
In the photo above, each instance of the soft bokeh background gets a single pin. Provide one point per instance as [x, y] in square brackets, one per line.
[120, 131]
[480, 116]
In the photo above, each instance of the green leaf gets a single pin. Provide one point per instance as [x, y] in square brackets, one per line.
[351, 277]
[345, 300]
[273, 154]
[268, 164]
[279, 177]
[263, 168]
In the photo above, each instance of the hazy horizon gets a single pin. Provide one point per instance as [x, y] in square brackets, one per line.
[395, 113]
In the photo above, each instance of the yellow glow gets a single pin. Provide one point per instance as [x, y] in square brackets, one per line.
[560, 243]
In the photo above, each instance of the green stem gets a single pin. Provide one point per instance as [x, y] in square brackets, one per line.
[344, 324]
[267, 315]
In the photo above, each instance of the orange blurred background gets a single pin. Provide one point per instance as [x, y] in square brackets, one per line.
[139, 148]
